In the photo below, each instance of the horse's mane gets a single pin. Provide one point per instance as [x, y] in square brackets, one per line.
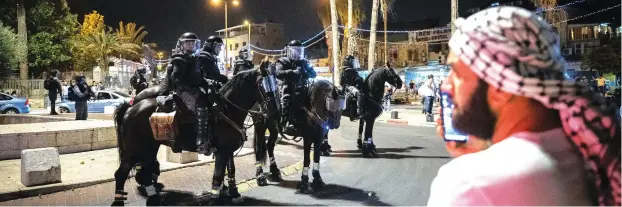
[318, 93]
[375, 74]
[240, 78]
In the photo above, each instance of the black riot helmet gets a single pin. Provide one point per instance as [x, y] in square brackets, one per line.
[352, 62]
[245, 54]
[295, 50]
[214, 45]
[141, 71]
[188, 43]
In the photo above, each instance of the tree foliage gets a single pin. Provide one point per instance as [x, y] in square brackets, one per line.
[102, 45]
[605, 59]
[93, 23]
[131, 34]
[9, 50]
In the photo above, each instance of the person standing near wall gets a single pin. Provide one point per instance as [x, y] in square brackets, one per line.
[53, 85]
[80, 93]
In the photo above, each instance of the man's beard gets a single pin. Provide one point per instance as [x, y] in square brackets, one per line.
[475, 117]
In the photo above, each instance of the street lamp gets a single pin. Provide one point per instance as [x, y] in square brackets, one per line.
[226, 2]
[246, 22]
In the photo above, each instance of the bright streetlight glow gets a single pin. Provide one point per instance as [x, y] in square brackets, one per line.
[246, 22]
[235, 2]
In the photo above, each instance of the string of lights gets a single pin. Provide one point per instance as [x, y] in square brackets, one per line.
[401, 43]
[586, 15]
[540, 10]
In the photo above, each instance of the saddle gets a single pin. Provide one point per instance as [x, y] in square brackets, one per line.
[163, 121]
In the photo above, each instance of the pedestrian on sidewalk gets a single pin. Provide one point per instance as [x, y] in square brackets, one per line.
[81, 93]
[53, 85]
[550, 141]
[427, 91]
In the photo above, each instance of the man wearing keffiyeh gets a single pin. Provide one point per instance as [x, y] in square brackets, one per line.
[534, 137]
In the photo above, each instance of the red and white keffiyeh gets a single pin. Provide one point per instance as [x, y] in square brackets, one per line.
[518, 52]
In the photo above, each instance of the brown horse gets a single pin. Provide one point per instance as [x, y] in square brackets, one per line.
[137, 144]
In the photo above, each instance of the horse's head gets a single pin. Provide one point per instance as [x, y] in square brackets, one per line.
[258, 85]
[328, 102]
[391, 77]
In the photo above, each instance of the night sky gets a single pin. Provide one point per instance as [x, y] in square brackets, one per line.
[166, 20]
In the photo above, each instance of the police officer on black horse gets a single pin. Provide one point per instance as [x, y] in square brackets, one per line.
[244, 61]
[190, 70]
[139, 81]
[353, 84]
[294, 72]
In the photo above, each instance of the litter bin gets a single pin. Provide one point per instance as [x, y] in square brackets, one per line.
[394, 115]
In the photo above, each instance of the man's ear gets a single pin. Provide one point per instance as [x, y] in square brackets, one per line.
[497, 99]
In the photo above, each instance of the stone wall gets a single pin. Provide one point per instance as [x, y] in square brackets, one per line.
[67, 136]
[28, 119]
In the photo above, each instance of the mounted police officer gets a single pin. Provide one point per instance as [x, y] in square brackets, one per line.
[353, 83]
[294, 71]
[138, 80]
[188, 82]
[244, 61]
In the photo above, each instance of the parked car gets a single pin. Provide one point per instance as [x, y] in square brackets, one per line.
[97, 103]
[13, 105]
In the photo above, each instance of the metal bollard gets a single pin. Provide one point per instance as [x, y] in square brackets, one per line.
[394, 115]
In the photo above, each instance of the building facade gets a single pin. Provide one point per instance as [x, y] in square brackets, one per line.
[266, 35]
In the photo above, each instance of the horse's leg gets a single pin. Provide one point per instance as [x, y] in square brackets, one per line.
[120, 176]
[324, 147]
[359, 140]
[233, 188]
[275, 173]
[369, 148]
[260, 152]
[145, 177]
[219, 175]
[318, 183]
[304, 186]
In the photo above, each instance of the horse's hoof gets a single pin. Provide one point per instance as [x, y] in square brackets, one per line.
[318, 183]
[262, 181]
[158, 187]
[359, 144]
[304, 187]
[275, 176]
[224, 191]
[118, 203]
[330, 148]
[325, 153]
[154, 200]
[237, 200]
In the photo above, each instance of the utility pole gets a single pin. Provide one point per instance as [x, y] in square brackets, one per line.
[335, 37]
[454, 14]
[371, 60]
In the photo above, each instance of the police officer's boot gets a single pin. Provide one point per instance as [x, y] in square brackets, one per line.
[202, 125]
[360, 105]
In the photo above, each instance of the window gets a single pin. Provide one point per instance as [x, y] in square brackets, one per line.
[103, 96]
[4, 97]
[243, 44]
[236, 46]
[411, 55]
[230, 47]
[115, 96]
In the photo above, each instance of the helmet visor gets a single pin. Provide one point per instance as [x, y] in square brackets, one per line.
[218, 47]
[295, 52]
[190, 45]
[356, 64]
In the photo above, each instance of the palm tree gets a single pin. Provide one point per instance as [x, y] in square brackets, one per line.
[23, 39]
[335, 40]
[348, 45]
[372, 36]
[386, 8]
[555, 16]
[105, 44]
[131, 34]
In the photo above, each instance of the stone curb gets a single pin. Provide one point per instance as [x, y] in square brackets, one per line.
[406, 122]
[53, 188]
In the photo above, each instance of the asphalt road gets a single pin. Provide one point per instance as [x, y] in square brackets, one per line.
[409, 159]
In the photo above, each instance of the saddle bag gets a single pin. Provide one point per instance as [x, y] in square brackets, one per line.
[163, 126]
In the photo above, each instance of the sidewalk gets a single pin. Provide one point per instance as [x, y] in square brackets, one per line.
[181, 185]
[409, 114]
[79, 170]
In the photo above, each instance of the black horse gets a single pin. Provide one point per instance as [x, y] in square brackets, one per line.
[374, 89]
[318, 111]
[137, 144]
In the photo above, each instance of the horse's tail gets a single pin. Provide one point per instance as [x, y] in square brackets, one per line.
[259, 146]
[118, 121]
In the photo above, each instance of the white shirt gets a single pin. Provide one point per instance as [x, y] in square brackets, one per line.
[526, 169]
